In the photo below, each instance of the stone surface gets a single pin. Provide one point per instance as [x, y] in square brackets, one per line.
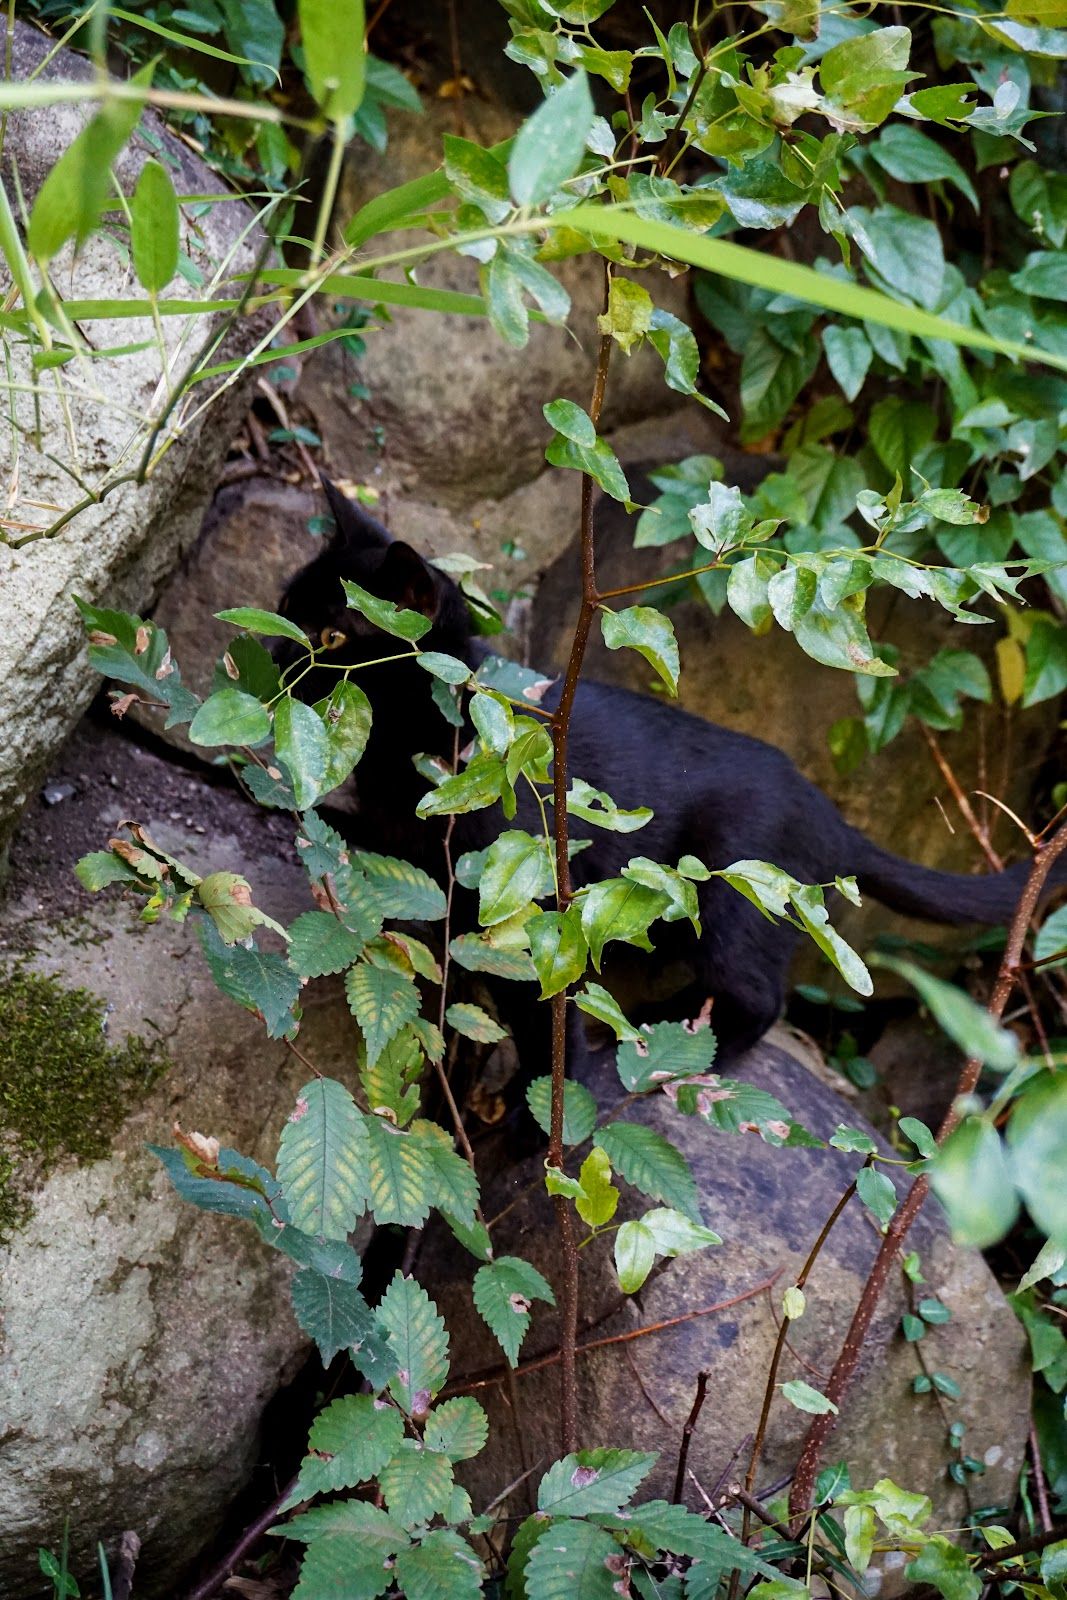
[769, 1206]
[767, 687]
[142, 1338]
[117, 551]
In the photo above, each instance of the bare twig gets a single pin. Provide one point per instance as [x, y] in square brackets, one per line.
[210, 1586]
[844, 1369]
[687, 1436]
[1040, 1486]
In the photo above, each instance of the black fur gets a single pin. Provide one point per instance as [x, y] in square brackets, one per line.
[718, 795]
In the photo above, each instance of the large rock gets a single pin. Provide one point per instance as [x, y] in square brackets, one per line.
[120, 548]
[141, 1337]
[769, 1206]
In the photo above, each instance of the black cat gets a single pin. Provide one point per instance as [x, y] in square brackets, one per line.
[715, 794]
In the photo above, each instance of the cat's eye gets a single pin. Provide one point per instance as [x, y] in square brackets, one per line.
[332, 638]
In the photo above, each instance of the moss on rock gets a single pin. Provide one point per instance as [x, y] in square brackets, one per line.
[64, 1087]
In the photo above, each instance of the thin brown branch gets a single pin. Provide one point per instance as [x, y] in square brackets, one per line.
[213, 1582]
[1040, 1486]
[687, 1435]
[822, 1426]
[966, 810]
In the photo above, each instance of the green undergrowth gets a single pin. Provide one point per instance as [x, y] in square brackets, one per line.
[64, 1086]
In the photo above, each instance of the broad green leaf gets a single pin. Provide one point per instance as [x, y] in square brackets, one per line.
[805, 1398]
[663, 1051]
[618, 908]
[230, 717]
[154, 227]
[474, 1023]
[579, 1108]
[322, 1160]
[302, 746]
[652, 1164]
[267, 623]
[965, 1022]
[598, 461]
[234, 1186]
[477, 785]
[259, 980]
[350, 1442]
[568, 418]
[479, 953]
[401, 1176]
[503, 1293]
[971, 1178]
[346, 1519]
[332, 1312]
[1037, 1142]
[557, 948]
[518, 869]
[398, 889]
[416, 1483]
[381, 1002]
[593, 805]
[849, 356]
[572, 1560]
[550, 145]
[1052, 938]
[593, 1481]
[227, 899]
[599, 1198]
[331, 33]
[864, 75]
[648, 631]
[72, 196]
[947, 1568]
[596, 1002]
[676, 1234]
[911, 156]
[391, 1085]
[629, 314]
[403, 624]
[419, 1341]
[876, 1191]
[440, 1566]
[346, 715]
[478, 176]
[635, 1255]
[320, 944]
[458, 1428]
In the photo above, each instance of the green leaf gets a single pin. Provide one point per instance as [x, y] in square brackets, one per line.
[416, 1483]
[302, 746]
[920, 1136]
[594, 806]
[420, 1343]
[402, 1176]
[971, 1178]
[100, 868]
[351, 1441]
[346, 715]
[72, 196]
[593, 1482]
[877, 1193]
[474, 1023]
[864, 75]
[652, 1164]
[518, 869]
[572, 1561]
[267, 623]
[331, 32]
[322, 1160]
[332, 1312]
[805, 1398]
[618, 908]
[478, 785]
[947, 1568]
[598, 461]
[635, 1254]
[568, 418]
[398, 889]
[227, 899]
[558, 948]
[342, 1563]
[319, 944]
[235, 1186]
[381, 1002]
[579, 1108]
[662, 1051]
[1037, 1141]
[648, 631]
[458, 1428]
[441, 1566]
[965, 1022]
[1051, 938]
[550, 145]
[154, 227]
[849, 356]
[503, 1293]
[913, 157]
[259, 980]
[384, 614]
[596, 1002]
[479, 953]
[629, 314]
[598, 1198]
[230, 717]
[676, 1234]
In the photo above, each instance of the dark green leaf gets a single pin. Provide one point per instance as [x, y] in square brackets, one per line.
[550, 145]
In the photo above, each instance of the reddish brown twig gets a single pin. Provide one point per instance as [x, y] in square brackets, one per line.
[215, 1579]
[687, 1436]
[845, 1366]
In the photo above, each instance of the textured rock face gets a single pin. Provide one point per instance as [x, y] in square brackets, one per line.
[141, 1338]
[117, 551]
[769, 1206]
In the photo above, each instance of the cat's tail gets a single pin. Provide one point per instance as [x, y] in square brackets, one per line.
[954, 897]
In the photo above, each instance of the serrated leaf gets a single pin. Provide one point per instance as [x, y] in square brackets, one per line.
[401, 1181]
[100, 868]
[391, 1085]
[571, 1562]
[455, 1184]
[579, 1108]
[478, 953]
[381, 1001]
[441, 1566]
[664, 1050]
[323, 1160]
[419, 1341]
[399, 889]
[350, 1442]
[319, 944]
[652, 1164]
[259, 980]
[592, 1481]
[319, 847]
[235, 1186]
[503, 1292]
[458, 1428]
[474, 1023]
[331, 1311]
[650, 633]
[416, 1483]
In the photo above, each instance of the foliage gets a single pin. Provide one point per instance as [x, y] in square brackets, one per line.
[913, 456]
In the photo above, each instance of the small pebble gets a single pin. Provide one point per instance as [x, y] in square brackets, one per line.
[53, 794]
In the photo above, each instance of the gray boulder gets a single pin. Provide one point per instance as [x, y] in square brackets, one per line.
[769, 1206]
[116, 550]
[142, 1338]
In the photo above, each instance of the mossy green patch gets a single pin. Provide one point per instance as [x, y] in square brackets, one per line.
[64, 1087]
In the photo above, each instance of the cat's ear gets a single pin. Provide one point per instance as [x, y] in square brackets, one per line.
[357, 532]
[405, 578]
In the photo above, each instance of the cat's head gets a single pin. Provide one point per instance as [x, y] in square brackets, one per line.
[363, 552]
